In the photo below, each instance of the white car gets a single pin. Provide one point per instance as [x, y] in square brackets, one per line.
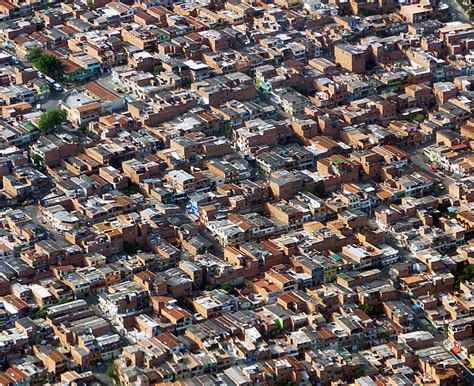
[57, 87]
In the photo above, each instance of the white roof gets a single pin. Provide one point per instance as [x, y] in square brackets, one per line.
[195, 65]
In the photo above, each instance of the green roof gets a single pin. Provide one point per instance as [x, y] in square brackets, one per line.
[337, 161]
[345, 277]
[29, 126]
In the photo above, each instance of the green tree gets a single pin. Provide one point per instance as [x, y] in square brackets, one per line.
[419, 117]
[184, 303]
[365, 13]
[158, 70]
[367, 308]
[274, 333]
[35, 54]
[467, 274]
[229, 288]
[36, 159]
[130, 189]
[112, 372]
[52, 120]
[301, 90]
[227, 131]
[49, 65]
[131, 248]
[41, 313]
[318, 189]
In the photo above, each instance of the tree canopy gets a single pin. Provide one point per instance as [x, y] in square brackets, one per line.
[158, 70]
[467, 273]
[47, 64]
[35, 54]
[52, 120]
[420, 117]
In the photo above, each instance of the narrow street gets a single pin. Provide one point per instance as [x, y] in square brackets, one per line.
[469, 375]
[457, 12]
[216, 248]
[418, 158]
[54, 99]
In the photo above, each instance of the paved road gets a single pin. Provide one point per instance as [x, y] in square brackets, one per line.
[53, 100]
[422, 324]
[216, 248]
[457, 11]
[468, 374]
[54, 97]
[418, 158]
[106, 81]
[33, 212]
